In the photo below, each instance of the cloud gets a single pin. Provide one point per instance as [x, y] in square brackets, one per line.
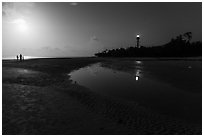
[13, 10]
[52, 51]
[94, 38]
[95, 42]
[94, 45]
[47, 48]
[73, 3]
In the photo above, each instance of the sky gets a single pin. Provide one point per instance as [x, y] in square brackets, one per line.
[65, 29]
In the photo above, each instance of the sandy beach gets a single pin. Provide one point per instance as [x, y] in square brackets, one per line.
[39, 98]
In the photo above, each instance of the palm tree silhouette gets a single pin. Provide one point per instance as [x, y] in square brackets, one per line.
[188, 36]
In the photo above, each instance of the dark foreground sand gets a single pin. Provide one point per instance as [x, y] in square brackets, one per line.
[38, 98]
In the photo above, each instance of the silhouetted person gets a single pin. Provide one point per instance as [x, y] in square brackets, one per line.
[21, 57]
[17, 57]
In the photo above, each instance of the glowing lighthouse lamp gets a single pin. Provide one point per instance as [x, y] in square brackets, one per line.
[138, 40]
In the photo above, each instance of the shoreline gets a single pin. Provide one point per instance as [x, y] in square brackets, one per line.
[140, 58]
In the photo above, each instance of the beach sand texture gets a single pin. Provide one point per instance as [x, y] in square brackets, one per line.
[39, 98]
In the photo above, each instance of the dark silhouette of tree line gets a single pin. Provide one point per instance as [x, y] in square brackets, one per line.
[181, 46]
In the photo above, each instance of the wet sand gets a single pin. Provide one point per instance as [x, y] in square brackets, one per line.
[39, 98]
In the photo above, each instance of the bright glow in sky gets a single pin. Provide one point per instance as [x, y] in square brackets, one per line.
[21, 24]
[82, 29]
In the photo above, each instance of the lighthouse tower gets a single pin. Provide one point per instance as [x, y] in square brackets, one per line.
[138, 41]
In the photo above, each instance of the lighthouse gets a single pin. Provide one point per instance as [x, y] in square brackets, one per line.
[138, 41]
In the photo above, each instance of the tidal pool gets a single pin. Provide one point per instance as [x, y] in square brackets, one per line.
[173, 88]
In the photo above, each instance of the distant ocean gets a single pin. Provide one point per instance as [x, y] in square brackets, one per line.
[25, 57]
[35, 57]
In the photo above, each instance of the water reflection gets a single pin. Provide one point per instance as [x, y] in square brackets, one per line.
[138, 67]
[148, 90]
[136, 78]
[138, 74]
[19, 72]
[138, 62]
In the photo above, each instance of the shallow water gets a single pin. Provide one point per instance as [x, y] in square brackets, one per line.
[18, 72]
[170, 87]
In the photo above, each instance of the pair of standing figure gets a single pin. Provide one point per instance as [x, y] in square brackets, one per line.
[20, 57]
